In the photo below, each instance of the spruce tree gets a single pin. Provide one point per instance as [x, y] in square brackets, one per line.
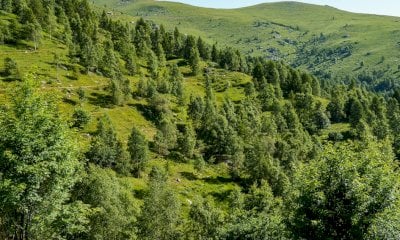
[215, 54]
[176, 80]
[194, 61]
[178, 43]
[139, 152]
[203, 49]
[153, 64]
[187, 142]
[196, 108]
[166, 137]
[131, 63]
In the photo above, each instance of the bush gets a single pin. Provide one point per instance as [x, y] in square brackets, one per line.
[80, 118]
[81, 94]
[10, 68]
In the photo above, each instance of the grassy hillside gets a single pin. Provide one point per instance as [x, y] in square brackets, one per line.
[63, 80]
[322, 39]
[198, 144]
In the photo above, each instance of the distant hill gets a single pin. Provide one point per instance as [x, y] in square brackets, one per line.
[329, 42]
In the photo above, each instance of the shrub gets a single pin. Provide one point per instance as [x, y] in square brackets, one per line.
[80, 118]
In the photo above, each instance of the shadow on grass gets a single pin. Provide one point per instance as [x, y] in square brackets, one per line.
[73, 78]
[221, 196]
[189, 176]
[146, 112]
[19, 45]
[181, 63]
[99, 99]
[188, 74]
[9, 79]
[139, 193]
[70, 101]
[218, 180]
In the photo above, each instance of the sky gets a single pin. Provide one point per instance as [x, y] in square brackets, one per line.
[381, 7]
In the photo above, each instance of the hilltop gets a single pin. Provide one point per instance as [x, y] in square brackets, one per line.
[333, 44]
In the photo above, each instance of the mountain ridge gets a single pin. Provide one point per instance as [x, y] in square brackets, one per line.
[331, 43]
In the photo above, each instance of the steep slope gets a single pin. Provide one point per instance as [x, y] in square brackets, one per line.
[329, 42]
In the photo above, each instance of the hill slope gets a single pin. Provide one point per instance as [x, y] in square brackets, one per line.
[190, 143]
[327, 41]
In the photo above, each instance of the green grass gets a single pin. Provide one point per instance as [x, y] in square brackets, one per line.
[214, 180]
[335, 128]
[281, 31]
[188, 183]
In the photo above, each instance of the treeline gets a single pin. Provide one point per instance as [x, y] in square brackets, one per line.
[294, 183]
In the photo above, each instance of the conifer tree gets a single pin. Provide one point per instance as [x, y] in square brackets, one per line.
[80, 118]
[259, 76]
[194, 61]
[130, 63]
[205, 220]
[142, 38]
[109, 62]
[139, 152]
[178, 43]
[354, 111]
[176, 80]
[203, 49]
[153, 64]
[161, 55]
[89, 54]
[142, 87]
[215, 55]
[116, 92]
[190, 43]
[196, 108]
[272, 74]
[187, 141]
[166, 137]
[321, 119]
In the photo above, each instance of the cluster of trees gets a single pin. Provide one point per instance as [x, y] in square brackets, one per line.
[33, 15]
[292, 182]
[345, 190]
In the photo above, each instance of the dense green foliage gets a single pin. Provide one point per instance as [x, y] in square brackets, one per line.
[263, 153]
[39, 166]
[344, 193]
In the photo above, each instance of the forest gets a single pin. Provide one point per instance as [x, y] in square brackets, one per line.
[123, 129]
